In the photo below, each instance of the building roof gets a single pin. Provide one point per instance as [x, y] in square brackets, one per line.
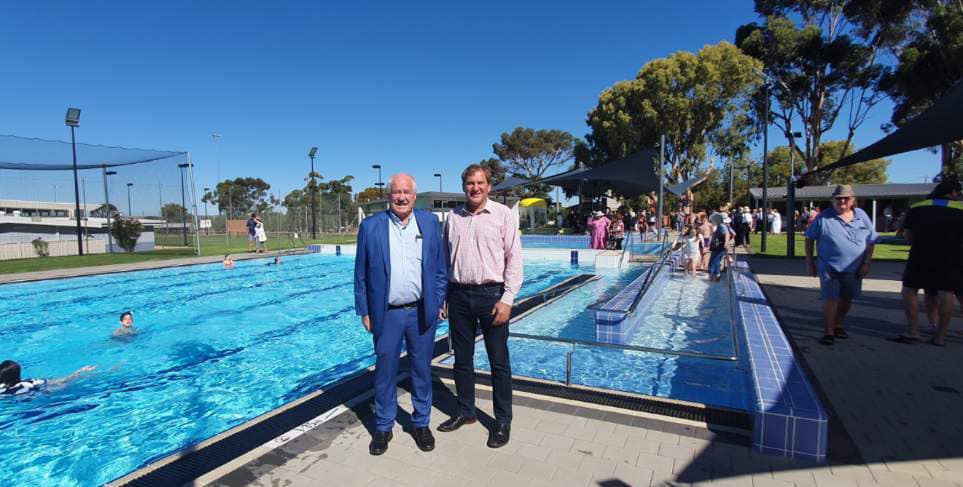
[872, 191]
[45, 205]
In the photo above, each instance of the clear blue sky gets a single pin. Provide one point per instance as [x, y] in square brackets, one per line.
[423, 88]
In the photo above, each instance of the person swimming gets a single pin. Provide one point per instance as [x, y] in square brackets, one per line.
[228, 261]
[277, 260]
[12, 384]
[126, 328]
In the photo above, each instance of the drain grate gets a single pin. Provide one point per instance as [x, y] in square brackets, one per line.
[706, 414]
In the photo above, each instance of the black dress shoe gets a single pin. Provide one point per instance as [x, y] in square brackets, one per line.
[499, 435]
[423, 438]
[454, 423]
[379, 442]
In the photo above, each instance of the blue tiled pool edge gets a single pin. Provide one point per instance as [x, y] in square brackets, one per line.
[787, 417]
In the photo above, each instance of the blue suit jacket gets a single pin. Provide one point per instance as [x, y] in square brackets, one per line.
[372, 268]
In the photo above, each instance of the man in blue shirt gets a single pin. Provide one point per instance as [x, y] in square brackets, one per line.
[844, 238]
[400, 281]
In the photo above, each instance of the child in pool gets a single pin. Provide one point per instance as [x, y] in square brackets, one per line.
[12, 384]
[126, 328]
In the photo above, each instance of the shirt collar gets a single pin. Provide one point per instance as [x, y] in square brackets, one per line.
[397, 221]
[463, 209]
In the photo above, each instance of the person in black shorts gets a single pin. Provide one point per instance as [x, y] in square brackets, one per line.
[12, 384]
[934, 228]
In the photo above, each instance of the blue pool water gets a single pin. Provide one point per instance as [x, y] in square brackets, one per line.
[688, 315]
[216, 348]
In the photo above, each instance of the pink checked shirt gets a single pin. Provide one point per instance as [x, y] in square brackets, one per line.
[485, 248]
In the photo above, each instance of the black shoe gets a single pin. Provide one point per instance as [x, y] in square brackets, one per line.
[840, 333]
[499, 435]
[454, 423]
[827, 340]
[379, 442]
[423, 438]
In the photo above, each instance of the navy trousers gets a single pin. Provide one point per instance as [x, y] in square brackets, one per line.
[469, 310]
[403, 324]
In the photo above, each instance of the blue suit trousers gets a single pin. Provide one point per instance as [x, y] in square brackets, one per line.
[403, 324]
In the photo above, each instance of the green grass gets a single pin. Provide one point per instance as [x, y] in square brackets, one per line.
[210, 245]
[776, 246]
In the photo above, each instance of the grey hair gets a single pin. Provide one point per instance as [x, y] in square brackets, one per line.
[391, 180]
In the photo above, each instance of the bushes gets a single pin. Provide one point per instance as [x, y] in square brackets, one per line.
[40, 247]
[126, 231]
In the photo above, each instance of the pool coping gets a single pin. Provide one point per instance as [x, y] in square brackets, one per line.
[57, 274]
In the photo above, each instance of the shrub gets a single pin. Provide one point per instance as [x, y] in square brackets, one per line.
[127, 231]
[40, 247]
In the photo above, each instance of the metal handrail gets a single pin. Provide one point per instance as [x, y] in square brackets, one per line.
[651, 274]
[619, 346]
[733, 301]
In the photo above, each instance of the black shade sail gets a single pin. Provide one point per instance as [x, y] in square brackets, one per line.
[510, 183]
[632, 176]
[941, 123]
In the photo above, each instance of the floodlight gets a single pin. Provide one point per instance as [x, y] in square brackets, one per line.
[73, 117]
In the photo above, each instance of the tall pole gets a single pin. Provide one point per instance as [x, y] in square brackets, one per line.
[661, 168]
[80, 237]
[197, 233]
[130, 211]
[731, 170]
[438, 175]
[207, 230]
[791, 198]
[110, 237]
[83, 185]
[765, 171]
[314, 203]
[183, 205]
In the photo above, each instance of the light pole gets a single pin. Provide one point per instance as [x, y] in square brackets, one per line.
[110, 238]
[183, 201]
[379, 184]
[207, 230]
[765, 170]
[73, 121]
[217, 153]
[438, 175]
[314, 195]
[130, 211]
[791, 196]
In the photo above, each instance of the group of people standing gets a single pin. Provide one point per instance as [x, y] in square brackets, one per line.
[844, 238]
[410, 273]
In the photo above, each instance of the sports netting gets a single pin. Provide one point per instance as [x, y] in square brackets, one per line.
[37, 192]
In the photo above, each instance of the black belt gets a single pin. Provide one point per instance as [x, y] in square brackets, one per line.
[410, 305]
[487, 285]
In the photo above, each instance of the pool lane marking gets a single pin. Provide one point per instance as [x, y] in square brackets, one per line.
[305, 427]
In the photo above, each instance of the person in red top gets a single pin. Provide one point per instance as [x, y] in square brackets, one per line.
[484, 276]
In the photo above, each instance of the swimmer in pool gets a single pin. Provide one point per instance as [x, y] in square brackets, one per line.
[277, 260]
[12, 384]
[126, 328]
[228, 261]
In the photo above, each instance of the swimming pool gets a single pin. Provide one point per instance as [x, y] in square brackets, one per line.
[216, 348]
[687, 315]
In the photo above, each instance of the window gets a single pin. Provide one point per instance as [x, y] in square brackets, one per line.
[452, 204]
[437, 204]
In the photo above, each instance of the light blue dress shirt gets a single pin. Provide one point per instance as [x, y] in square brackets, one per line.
[404, 243]
[841, 245]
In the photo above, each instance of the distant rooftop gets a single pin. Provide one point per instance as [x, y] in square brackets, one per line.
[871, 191]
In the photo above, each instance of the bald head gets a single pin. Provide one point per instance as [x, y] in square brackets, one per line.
[402, 191]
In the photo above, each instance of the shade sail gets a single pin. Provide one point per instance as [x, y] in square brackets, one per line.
[26, 154]
[681, 188]
[533, 202]
[941, 123]
[510, 183]
[632, 176]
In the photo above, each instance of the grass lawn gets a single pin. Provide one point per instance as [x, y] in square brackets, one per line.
[210, 245]
[776, 246]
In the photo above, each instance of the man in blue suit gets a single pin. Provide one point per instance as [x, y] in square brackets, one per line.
[400, 278]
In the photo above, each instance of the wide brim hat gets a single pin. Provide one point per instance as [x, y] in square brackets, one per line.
[844, 190]
[716, 218]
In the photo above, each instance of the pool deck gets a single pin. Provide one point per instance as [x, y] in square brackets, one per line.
[135, 266]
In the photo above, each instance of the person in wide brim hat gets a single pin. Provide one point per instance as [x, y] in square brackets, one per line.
[716, 218]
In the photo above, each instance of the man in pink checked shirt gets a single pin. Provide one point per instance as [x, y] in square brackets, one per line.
[484, 276]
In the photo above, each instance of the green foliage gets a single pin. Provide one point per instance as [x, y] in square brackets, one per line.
[370, 194]
[818, 67]
[172, 212]
[126, 231]
[241, 196]
[869, 172]
[40, 247]
[499, 173]
[531, 153]
[698, 101]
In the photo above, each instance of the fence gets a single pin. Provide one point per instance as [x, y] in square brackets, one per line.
[55, 248]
